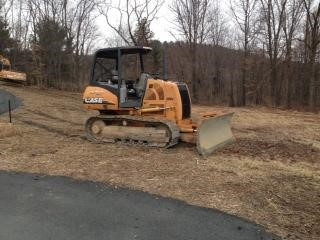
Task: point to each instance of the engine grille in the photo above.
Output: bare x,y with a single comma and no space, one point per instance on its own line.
185,98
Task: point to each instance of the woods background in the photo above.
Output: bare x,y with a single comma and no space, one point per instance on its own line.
247,52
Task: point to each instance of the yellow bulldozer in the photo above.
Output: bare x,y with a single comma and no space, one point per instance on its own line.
138,109
8,75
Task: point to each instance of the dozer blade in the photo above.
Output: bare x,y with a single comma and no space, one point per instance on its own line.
214,133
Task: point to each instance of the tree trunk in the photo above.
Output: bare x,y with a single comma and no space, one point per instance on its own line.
244,79
288,88
194,80
312,82
231,97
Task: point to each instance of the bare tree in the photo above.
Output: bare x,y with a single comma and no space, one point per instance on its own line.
191,23
73,22
5,7
83,25
262,54
273,18
218,29
82,31
114,40
130,14
244,13
292,17
212,61
312,41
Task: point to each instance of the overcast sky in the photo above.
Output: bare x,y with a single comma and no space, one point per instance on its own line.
161,27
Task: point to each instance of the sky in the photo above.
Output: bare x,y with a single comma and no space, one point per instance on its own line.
161,26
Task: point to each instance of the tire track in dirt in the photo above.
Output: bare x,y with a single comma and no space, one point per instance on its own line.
52,130
53,117
47,126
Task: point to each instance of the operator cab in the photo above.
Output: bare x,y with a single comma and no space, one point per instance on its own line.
122,72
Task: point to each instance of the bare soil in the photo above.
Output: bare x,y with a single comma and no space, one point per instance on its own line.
271,175
7,130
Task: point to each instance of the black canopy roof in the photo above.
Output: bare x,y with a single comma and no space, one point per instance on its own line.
113,52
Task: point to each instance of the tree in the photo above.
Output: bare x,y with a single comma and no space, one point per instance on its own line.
50,39
218,29
312,41
81,33
76,19
244,13
158,56
142,33
191,23
5,8
273,18
213,59
79,20
5,39
292,16
131,15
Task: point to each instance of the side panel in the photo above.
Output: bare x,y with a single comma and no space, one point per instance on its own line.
185,100
166,95
96,98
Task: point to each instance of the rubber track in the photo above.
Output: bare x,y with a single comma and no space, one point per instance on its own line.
171,126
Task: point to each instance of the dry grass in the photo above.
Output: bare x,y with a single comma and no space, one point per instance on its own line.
8,130
271,175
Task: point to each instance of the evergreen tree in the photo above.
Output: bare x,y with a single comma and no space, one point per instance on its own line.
51,41
5,39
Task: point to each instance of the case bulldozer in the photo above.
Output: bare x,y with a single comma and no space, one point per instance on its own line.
9,75
138,109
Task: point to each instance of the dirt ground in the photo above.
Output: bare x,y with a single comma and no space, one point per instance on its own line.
271,175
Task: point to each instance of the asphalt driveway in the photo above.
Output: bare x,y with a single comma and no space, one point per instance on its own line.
41,207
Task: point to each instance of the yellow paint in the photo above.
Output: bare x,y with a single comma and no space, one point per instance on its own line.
92,92
8,74
161,101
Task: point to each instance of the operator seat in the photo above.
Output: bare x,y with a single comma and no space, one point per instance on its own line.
114,76
140,86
